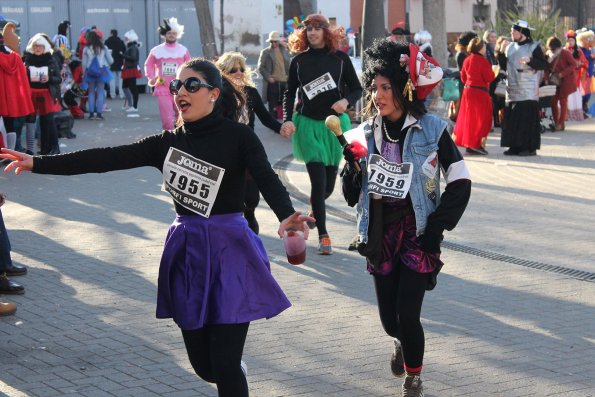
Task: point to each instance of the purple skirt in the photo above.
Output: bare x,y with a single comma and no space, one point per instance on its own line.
216,271
400,244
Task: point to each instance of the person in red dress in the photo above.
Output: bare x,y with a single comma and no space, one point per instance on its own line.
563,66
475,114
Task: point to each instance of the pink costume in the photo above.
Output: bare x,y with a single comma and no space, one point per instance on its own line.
163,61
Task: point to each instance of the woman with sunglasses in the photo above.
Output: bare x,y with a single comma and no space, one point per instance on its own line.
214,277
326,84
233,65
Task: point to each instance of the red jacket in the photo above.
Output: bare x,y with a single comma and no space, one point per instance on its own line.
564,65
15,94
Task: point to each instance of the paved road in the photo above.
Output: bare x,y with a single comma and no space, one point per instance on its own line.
495,325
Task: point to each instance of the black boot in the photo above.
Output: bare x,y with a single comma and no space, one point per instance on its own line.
10,287
251,218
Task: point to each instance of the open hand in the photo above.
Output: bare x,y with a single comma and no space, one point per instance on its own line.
20,161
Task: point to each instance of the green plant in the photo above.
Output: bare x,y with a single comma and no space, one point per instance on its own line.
545,26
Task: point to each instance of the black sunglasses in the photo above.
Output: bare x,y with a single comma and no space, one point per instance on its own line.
315,25
235,70
192,84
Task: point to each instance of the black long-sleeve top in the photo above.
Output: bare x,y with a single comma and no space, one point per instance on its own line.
309,66
256,107
214,139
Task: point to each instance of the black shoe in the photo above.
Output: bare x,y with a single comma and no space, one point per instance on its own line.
481,150
29,152
511,152
354,243
15,270
10,287
55,150
252,222
397,362
526,153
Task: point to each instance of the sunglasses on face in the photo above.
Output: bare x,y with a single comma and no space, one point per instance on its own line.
192,84
235,70
315,25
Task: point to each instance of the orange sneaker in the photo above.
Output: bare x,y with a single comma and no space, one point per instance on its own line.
324,245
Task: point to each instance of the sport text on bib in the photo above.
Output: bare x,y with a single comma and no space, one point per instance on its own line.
318,86
192,183
389,179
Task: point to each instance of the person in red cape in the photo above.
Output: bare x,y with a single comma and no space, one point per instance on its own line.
15,95
475,114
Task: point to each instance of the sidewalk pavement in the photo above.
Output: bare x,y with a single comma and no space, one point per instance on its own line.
509,315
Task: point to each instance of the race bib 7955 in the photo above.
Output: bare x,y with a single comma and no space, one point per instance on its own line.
193,183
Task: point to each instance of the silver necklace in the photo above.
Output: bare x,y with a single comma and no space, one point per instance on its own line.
388,138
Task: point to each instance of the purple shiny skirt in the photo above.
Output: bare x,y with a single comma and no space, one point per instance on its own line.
400,244
216,271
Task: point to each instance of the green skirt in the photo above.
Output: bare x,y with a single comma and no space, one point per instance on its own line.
314,143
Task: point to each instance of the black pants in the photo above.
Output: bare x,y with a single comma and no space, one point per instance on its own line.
275,96
400,296
322,180
215,352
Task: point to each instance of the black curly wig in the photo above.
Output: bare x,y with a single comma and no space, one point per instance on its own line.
382,58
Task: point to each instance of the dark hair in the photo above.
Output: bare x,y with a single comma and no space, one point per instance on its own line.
114,32
553,43
94,41
463,40
63,27
383,58
475,45
231,99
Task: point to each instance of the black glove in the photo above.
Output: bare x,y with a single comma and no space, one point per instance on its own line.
348,154
430,242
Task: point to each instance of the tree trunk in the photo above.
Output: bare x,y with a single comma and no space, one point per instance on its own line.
373,23
222,26
435,23
205,25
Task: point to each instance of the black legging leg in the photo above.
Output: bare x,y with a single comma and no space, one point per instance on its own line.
215,352
134,90
322,180
400,296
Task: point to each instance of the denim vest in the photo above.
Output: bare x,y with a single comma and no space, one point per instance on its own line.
420,142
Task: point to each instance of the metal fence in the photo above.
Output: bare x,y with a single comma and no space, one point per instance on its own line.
573,13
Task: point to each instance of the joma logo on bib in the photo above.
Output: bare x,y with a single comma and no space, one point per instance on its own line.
186,162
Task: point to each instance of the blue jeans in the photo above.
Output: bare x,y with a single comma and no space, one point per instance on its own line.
5,259
96,96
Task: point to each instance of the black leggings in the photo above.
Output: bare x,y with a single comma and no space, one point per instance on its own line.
400,296
131,85
322,180
215,352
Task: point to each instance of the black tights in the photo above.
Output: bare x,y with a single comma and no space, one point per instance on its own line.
215,352
400,296
322,180
131,85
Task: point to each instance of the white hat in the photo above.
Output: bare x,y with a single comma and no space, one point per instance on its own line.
274,36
